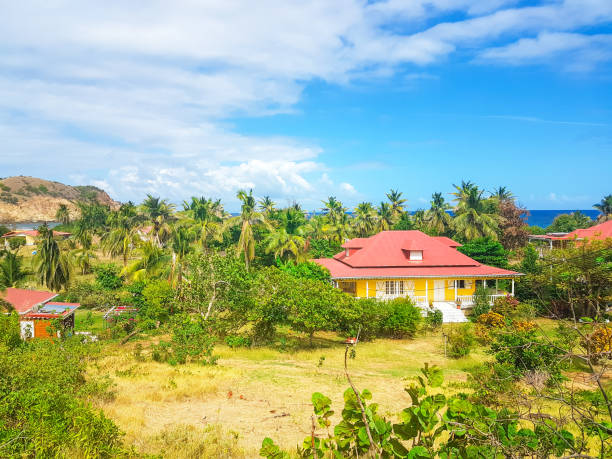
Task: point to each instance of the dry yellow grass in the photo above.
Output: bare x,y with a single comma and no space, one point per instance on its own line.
254,393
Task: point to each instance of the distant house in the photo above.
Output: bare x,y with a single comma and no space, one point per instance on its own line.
394,264
558,240
37,311
30,236
145,233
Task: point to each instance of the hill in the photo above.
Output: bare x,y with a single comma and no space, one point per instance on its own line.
24,199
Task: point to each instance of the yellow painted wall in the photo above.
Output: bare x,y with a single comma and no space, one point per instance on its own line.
367,288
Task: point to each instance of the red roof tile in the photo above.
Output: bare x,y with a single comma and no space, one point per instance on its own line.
447,240
24,300
599,232
386,254
33,233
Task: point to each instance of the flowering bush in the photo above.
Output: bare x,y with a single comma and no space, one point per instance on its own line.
506,306
523,325
600,340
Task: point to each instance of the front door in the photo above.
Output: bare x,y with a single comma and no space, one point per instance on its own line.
439,290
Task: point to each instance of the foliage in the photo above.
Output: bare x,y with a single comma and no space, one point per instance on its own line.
16,242
486,251
11,270
305,270
158,301
433,426
107,276
512,225
566,223
235,341
505,306
401,320
323,248
53,267
191,342
481,303
44,412
460,341
600,340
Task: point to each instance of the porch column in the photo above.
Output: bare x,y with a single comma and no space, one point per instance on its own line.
513,287
426,292
455,282
496,290
367,289
484,283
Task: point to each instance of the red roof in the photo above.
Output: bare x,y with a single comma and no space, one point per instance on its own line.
447,240
387,254
24,300
599,232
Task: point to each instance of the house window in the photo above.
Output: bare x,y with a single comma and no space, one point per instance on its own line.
416,254
460,283
394,287
348,287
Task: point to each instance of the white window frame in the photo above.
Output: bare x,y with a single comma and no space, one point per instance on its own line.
460,283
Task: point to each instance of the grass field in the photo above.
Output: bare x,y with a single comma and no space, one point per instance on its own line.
254,393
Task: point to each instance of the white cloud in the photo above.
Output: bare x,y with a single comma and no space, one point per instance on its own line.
139,99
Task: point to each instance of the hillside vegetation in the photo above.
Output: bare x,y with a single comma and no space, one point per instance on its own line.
34,199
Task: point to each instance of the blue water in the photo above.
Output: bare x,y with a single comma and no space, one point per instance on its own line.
544,218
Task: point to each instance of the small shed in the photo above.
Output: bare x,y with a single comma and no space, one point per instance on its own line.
36,324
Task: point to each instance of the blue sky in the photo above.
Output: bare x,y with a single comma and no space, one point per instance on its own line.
305,100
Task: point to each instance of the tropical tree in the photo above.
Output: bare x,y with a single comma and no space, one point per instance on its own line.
63,214
122,238
605,207
11,270
333,209
248,217
397,203
52,266
159,213
150,264
282,243
437,217
266,205
83,258
364,219
180,244
502,194
385,219
341,230
472,219
207,216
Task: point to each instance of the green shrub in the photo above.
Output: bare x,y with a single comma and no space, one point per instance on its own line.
191,342
236,341
107,276
16,242
401,319
158,300
304,270
460,341
434,318
481,303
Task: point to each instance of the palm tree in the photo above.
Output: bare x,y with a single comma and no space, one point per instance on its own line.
437,218
207,216
397,203
63,214
83,258
341,230
52,266
122,238
605,207
316,227
180,243
247,219
281,243
364,219
385,219
471,220
150,264
159,213
333,209
266,205
502,194
11,271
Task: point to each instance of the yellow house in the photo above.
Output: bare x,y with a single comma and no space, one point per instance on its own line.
428,269
30,236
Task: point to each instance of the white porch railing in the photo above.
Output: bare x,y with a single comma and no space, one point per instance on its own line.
468,300
417,300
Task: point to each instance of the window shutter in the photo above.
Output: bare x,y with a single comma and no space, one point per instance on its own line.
450,284
468,283
380,289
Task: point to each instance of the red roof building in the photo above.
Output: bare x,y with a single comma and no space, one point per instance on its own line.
597,232
411,263
25,301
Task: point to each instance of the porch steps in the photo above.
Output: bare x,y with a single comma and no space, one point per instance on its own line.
450,313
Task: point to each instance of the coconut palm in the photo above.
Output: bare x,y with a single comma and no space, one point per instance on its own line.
122,238
266,205
502,194
333,209
282,243
385,219
397,203
472,220
316,227
341,230
248,217
437,218
83,258
605,207
365,219
11,270
207,217
159,212
63,214
151,264
52,266
180,244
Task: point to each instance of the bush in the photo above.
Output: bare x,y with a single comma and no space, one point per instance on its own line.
460,341
481,303
434,318
400,319
305,270
600,340
16,242
158,302
107,276
486,251
505,306
191,342
236,341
